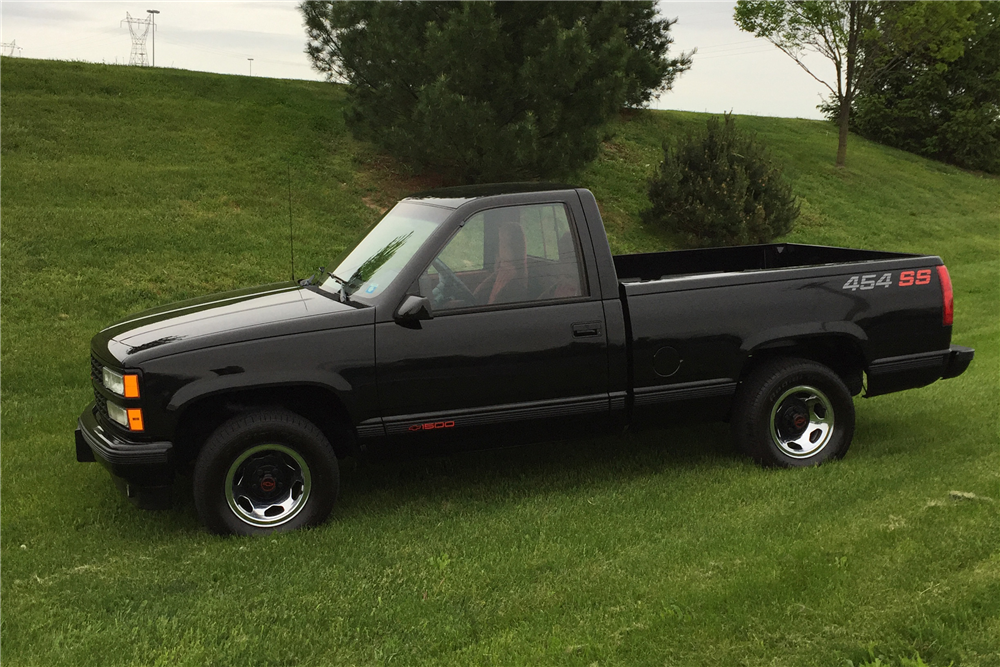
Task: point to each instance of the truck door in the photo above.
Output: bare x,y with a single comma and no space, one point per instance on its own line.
517,346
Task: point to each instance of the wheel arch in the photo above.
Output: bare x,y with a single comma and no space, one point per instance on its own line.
841,353
200,417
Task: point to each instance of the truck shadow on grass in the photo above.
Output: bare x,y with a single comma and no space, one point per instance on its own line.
508,475
382,484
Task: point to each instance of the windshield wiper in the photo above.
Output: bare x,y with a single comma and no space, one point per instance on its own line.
343,283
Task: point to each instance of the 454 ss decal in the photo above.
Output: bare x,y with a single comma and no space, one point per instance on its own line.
872,280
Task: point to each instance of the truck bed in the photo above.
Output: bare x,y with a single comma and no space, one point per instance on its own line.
711,310
644,267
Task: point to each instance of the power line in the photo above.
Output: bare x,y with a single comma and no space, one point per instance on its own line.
733,49
734,55
221,52
185,45
725,47
109,33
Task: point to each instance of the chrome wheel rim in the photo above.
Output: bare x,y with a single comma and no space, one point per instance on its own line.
268,485
802,422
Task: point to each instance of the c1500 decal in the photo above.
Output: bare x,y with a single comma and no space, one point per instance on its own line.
430,426
906,279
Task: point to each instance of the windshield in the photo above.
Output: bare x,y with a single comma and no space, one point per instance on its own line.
371,265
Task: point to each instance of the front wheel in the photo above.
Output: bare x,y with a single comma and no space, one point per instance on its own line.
265,472
793,413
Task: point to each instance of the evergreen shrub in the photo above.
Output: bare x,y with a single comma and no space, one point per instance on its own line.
720,189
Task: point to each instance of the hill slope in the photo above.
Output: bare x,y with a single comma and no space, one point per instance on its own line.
124,188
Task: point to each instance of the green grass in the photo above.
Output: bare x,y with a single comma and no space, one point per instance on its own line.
125,188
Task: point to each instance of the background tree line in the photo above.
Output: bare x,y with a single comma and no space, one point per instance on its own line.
921,76
945,110
501,91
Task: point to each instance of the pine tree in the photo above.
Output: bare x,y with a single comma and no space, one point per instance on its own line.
491,91
720,189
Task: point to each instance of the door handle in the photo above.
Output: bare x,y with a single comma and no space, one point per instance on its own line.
584,329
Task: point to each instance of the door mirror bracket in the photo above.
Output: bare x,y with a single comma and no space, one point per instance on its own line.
413,309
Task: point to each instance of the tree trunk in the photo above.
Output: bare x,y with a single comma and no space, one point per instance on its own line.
843,120
854,23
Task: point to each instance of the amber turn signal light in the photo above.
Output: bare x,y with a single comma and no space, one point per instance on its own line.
135,419
131,386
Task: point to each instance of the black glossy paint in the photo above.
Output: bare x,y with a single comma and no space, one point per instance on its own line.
714,327
499,357
657,334
220,319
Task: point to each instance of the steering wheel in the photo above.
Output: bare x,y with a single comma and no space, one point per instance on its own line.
449,286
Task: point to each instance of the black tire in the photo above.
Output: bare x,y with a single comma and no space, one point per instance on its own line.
265,472
793,413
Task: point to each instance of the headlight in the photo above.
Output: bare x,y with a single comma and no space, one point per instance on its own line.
114,382
117,413
123,385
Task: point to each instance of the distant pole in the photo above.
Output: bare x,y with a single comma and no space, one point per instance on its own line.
251,66
153,13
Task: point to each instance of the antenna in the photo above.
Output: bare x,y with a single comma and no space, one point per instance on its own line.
138,28
291,240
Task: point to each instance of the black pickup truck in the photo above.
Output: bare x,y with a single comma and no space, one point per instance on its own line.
492,315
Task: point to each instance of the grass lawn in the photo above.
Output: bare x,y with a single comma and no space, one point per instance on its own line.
125,188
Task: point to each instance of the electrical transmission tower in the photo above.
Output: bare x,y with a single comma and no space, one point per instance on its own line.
8,48
139,28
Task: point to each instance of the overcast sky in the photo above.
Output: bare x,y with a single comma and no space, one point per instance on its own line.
732,71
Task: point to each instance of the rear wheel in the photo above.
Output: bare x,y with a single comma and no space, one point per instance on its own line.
265,472
792,413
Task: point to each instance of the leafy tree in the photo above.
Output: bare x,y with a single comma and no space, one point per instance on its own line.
949,112
487,91
862,39
720,189
832,29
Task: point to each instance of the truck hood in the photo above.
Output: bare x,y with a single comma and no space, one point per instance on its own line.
230,317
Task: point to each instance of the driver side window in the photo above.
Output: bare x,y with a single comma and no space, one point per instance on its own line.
514,254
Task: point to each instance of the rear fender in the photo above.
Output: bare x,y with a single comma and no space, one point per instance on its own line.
783,335
837,345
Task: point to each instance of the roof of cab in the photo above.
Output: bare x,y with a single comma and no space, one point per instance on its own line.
456,196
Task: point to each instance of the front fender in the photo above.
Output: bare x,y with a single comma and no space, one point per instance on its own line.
341,361
237,381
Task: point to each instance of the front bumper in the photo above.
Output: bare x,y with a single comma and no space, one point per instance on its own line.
143,471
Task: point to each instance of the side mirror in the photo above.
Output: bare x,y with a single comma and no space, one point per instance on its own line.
413,309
